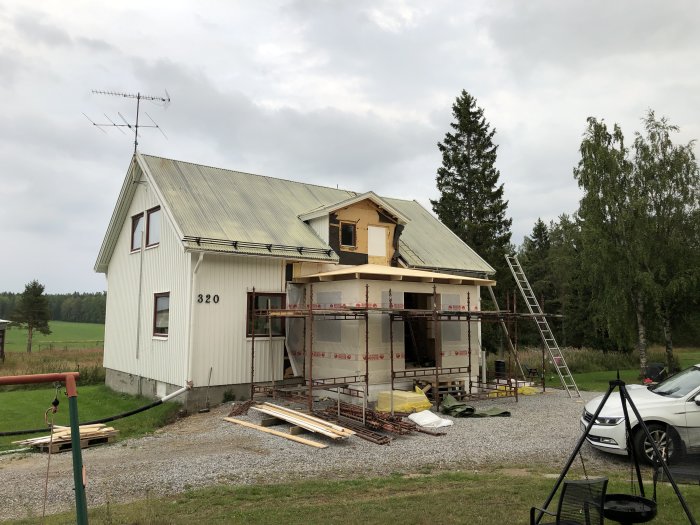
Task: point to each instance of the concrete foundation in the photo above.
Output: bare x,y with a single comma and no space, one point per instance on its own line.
192,400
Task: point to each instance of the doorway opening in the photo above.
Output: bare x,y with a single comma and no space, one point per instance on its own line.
419,332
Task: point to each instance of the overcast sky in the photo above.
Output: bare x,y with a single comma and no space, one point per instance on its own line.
354,94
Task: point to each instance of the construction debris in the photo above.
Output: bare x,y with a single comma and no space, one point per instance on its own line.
240,409
291,437
61,440
428,419
305,421
373,419
361,431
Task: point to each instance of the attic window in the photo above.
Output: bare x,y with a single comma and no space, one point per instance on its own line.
347,234
136,232
153,226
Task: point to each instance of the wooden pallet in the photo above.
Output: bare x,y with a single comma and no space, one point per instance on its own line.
457,388
64,446
90,435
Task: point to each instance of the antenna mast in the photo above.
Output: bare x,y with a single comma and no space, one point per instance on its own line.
135,127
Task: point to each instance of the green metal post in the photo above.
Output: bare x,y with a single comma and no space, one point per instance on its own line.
80,501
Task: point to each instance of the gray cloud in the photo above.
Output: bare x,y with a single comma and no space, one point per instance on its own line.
35,30
349,94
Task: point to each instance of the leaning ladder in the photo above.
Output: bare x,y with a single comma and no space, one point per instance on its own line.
558,361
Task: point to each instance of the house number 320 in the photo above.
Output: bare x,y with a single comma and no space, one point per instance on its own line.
207,298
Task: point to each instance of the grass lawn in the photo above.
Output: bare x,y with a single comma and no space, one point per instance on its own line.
600,381
24,410
473,497
63,335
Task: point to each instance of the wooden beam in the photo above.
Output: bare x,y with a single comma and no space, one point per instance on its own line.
276,433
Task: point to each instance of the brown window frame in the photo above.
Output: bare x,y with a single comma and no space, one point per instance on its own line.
148,226
157,333
134,222
354,234
262,322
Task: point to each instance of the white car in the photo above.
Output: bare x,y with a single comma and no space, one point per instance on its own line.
670,409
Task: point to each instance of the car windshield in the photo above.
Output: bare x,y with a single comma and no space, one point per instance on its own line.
680,384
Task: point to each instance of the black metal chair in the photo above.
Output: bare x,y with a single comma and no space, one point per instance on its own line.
531,373
580,503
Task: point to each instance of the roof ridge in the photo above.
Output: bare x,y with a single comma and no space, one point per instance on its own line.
248,173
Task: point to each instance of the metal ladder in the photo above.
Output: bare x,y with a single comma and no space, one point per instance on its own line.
558,361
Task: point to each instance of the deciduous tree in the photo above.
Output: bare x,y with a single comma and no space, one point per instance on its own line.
668,183
639,227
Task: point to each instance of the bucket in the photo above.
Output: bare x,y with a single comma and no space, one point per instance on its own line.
500,369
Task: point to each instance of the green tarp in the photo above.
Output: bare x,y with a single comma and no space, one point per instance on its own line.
454,408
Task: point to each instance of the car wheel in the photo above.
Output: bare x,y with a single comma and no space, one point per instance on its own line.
666,441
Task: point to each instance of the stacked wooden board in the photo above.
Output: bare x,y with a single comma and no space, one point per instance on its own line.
61,440
300,420
305,421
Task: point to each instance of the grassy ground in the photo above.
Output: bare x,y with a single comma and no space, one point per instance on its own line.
494,496
24,409
63,335
87,361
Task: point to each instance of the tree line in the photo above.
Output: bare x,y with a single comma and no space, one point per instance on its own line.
619,273
73,307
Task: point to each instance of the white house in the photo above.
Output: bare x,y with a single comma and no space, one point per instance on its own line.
195,257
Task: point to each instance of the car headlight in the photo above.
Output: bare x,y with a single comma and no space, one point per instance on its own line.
608,421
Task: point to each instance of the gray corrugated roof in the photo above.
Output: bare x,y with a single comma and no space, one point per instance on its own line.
428,243
212,204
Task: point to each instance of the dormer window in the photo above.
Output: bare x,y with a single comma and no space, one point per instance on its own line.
348,235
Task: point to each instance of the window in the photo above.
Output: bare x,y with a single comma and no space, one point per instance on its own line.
264,326
153,226
161,314
136,231
347,234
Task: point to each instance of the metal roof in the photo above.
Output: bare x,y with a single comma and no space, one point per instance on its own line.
214,209
428,243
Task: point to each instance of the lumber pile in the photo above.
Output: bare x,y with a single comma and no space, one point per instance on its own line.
291,437
89,435
308,422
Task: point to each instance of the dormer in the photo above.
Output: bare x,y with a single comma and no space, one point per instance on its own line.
364,229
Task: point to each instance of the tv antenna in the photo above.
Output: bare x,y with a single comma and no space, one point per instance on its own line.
135,127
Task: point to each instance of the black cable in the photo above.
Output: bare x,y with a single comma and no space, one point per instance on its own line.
103,420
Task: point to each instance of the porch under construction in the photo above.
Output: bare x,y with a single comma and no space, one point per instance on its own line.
412,329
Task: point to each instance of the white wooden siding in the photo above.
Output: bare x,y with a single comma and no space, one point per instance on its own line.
129,344
220,341
320,226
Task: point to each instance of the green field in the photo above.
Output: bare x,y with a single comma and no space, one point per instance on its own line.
24,410
63,335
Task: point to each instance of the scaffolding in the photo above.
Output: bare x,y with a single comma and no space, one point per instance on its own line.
357,386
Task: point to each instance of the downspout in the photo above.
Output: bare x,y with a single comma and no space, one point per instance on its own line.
140,298
190,344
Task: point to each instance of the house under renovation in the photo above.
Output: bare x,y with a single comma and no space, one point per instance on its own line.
228,280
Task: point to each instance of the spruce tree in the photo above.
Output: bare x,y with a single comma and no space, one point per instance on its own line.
471,200
32,311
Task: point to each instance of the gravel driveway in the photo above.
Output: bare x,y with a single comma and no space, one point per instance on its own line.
202,449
